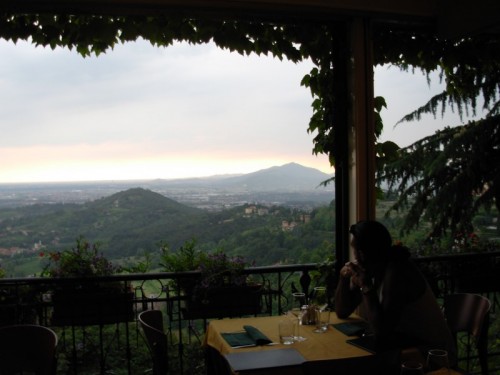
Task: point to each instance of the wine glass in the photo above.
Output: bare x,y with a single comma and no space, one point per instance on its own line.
437,359
412,368
298,310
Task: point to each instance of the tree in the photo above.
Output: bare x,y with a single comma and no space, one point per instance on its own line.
447,177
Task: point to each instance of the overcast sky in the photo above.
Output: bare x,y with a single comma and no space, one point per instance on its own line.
144,112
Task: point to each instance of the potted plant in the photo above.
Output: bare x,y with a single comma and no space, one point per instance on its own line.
19,302
220,288
83,300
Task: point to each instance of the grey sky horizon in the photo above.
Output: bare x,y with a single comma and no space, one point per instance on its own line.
141,112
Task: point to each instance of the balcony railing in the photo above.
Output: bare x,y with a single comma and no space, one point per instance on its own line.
95,318
99,333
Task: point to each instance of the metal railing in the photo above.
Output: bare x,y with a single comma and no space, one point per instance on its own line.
96,318
466,273
97,321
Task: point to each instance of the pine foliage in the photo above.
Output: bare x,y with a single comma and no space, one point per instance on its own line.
446,177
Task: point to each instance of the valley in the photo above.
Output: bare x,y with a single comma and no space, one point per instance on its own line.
253,216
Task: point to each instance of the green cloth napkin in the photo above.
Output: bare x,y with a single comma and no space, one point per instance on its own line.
352,329
257,336
250,337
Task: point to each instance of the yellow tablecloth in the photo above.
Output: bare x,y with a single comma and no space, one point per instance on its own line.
445,372
327,350
323,352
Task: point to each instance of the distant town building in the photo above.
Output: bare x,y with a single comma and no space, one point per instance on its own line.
250,210
10,251
263,211
288,226
254,210
37,246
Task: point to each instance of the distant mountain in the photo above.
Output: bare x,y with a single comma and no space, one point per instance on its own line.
290,185
286,178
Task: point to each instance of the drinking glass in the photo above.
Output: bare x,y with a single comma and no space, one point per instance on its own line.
319,297
412,368
437,359
298,310
285,330
322,320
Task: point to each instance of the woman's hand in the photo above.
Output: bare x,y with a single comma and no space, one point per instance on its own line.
347,295
356,273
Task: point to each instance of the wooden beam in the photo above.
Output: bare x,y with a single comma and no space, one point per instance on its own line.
453,18
363,143
423,11
420,8
459,18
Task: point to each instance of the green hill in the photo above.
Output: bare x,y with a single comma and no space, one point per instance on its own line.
138,219
123,222
128,223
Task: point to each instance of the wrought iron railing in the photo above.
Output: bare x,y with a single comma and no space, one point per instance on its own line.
96,317
466,272
101,335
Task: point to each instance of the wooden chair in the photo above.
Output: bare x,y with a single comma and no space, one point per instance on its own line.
151,322
27,348
468,314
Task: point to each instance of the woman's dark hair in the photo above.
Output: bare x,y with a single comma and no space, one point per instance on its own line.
375,242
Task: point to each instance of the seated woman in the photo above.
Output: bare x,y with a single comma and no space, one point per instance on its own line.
387,289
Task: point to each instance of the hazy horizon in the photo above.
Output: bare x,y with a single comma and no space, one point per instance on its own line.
227,175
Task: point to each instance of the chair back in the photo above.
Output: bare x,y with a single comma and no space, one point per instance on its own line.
27,348
151,322
469,313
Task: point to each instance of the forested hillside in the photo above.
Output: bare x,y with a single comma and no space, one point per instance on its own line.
134,222
130,223
123,222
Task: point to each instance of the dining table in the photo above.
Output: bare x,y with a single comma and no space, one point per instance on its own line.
320,353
